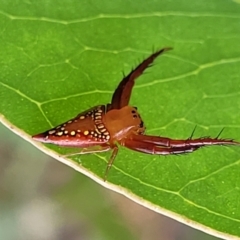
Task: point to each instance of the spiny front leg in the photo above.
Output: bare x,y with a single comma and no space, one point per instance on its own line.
123,92
151,148
177,143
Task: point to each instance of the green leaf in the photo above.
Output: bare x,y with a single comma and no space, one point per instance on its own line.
59,58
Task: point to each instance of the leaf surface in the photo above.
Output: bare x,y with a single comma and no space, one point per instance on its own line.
59,58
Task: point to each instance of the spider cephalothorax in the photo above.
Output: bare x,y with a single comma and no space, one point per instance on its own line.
106,125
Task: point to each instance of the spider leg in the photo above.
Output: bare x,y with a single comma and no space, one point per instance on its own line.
111,160
151,148
220,133
122,94
102,148
193,132
177,143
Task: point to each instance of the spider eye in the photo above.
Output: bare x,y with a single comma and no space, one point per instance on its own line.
135,108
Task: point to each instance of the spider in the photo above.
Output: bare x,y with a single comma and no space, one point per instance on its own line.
104,127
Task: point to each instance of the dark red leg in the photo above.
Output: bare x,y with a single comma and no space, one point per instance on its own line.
122,94
151,148
172,143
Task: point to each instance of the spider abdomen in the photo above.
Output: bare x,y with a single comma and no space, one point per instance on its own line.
86,129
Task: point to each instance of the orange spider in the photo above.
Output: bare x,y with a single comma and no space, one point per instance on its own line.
105,126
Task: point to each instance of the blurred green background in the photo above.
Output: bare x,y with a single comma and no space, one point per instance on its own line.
41,198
